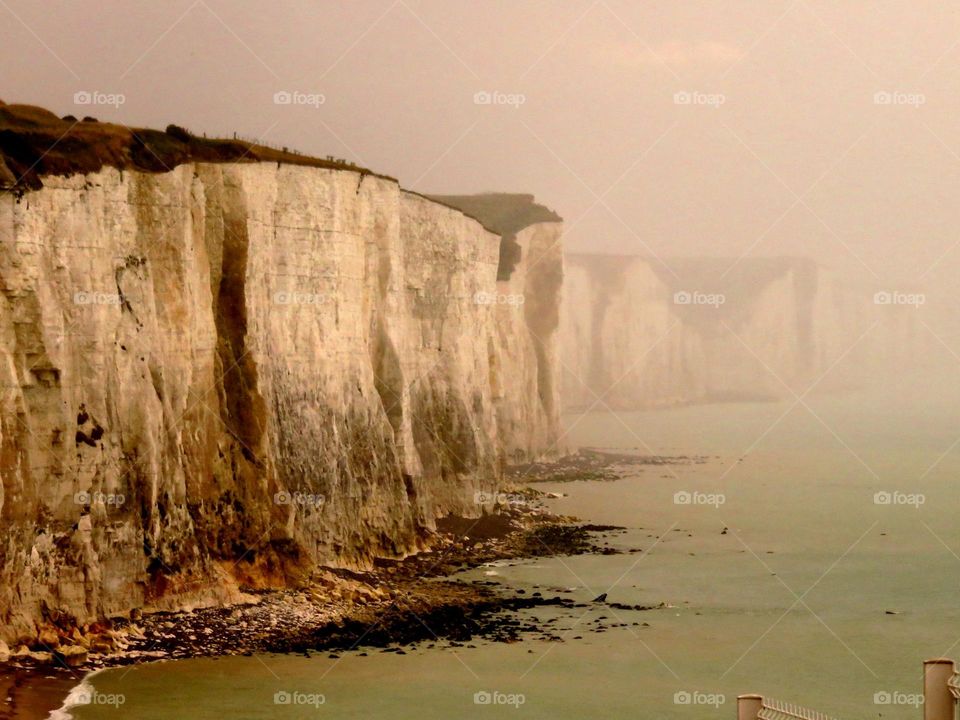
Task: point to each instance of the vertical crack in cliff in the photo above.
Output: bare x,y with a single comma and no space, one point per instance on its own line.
234,517
387,373
611,279
542,315
443,434
243,410
388,378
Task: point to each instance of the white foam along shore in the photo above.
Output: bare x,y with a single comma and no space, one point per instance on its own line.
84,693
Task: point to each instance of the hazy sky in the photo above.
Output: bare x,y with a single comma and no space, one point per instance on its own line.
776,144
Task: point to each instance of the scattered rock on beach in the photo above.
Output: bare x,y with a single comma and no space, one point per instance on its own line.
335,610
71,655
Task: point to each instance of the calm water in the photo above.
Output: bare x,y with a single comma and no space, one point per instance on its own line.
792,602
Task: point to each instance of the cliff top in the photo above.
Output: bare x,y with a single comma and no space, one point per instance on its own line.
34,142
506,214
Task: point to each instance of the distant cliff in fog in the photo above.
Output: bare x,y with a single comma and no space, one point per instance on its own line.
638,333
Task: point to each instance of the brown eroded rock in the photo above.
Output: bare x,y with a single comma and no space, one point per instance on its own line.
71,655
47,638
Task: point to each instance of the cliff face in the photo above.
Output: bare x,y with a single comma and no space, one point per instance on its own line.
527,317
635,335
217,375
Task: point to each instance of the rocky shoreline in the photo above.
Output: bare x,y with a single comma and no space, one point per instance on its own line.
337,609
595,464
393,605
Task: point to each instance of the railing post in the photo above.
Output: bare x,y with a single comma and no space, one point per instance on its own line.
938,702
749,706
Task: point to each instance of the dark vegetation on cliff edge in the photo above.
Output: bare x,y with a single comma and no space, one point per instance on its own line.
34,142
506,214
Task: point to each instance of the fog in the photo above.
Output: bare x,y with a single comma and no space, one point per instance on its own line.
750,338
599,79
731,130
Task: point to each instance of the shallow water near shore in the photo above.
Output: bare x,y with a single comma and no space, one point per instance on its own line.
817,594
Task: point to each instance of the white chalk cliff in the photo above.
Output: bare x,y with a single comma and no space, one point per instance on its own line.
216,375
638,333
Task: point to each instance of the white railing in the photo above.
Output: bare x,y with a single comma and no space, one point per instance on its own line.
779,710
953,684
757,707
941,697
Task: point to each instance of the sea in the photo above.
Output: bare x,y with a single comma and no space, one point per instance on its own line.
812,557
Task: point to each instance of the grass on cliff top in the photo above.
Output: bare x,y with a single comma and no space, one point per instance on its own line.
34,142
505,214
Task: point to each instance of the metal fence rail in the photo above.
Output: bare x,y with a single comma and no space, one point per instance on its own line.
757,707
941,698
953,684
779,710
